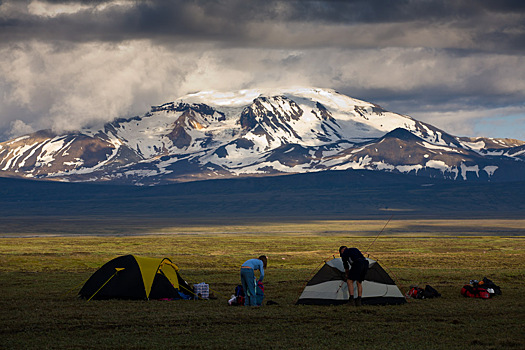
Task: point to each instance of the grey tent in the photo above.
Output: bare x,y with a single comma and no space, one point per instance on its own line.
328,287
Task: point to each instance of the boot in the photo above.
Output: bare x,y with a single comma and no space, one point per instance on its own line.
358,301
351,301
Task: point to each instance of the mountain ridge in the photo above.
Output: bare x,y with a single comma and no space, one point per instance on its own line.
210,135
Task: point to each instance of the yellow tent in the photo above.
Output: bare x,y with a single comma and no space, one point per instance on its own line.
133,277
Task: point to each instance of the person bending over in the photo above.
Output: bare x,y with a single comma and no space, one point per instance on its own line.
356,272
248,280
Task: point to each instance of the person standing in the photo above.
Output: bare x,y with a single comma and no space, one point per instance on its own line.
248,280
356,272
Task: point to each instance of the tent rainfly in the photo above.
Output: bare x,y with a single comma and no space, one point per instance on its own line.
328,287
133,277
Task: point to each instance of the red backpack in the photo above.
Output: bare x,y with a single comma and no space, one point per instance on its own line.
474,292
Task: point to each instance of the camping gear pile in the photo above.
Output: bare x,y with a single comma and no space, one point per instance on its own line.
428,292
484,289
328,286
238,298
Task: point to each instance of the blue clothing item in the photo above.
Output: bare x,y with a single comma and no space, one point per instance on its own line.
349,255
248,284
255,264
259,293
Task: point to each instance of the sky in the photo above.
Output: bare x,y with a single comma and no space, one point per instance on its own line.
458,65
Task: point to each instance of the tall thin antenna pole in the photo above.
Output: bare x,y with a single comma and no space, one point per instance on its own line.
366,251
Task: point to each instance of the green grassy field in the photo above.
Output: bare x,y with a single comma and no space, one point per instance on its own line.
40,276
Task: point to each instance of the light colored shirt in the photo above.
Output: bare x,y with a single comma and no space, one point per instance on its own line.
255,264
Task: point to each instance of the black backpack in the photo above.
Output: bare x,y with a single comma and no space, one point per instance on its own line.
430,292
490,286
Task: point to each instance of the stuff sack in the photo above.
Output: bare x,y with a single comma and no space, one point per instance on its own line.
415,293
474,292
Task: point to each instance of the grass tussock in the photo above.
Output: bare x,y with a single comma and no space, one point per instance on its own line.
40,276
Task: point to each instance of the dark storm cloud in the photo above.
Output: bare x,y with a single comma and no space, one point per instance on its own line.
117,21
475,24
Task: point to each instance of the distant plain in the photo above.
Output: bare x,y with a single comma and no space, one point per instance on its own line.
284,202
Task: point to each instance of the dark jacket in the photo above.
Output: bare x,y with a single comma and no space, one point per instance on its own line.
349,255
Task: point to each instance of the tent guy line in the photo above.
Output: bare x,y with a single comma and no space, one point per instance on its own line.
380,232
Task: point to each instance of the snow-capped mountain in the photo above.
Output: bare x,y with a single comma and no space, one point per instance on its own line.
255,133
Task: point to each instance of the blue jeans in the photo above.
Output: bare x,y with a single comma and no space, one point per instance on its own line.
248,284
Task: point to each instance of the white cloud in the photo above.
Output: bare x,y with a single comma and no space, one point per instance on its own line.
67,88
18,128
46,9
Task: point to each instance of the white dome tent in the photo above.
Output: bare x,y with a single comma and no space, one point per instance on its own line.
327,286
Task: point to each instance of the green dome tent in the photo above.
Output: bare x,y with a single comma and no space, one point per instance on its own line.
328,287
133,277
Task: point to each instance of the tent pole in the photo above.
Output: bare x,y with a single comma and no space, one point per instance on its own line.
113,275
337,291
